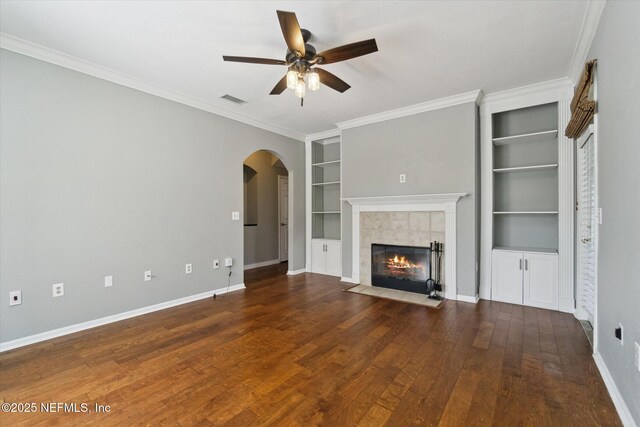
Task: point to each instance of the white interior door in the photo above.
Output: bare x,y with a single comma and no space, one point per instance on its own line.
283,217
586,233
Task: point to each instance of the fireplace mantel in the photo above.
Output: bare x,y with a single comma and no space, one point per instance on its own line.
408,199
410,203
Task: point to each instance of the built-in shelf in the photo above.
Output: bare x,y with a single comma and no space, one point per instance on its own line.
323,164
527,168
525,249
327,183
325,206
526,213
526,137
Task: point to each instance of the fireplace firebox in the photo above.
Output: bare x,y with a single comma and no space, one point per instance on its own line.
405,268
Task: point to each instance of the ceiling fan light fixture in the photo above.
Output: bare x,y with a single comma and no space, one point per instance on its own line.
292,79
313,80
300,88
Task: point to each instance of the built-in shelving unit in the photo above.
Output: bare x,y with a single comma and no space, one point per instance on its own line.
325,188
528,202
323,204
525,178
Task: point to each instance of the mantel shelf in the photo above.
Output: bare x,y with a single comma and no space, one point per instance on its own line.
408,199
526,137
527,168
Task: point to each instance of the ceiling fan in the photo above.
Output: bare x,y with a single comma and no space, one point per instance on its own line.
302,58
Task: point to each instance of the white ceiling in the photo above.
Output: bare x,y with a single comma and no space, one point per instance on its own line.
427,49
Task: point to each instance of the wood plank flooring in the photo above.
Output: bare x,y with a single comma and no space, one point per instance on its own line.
299,351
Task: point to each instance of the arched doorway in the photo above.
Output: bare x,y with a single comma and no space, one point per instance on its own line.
266,213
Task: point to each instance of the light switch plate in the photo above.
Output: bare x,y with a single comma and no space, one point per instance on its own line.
216,264
235,216
147,275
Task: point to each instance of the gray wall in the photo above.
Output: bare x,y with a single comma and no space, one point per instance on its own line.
98,179
617,48
437,150
261,240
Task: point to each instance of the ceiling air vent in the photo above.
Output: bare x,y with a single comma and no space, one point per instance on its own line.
233,99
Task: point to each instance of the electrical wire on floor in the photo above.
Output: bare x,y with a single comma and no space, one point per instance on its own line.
228,282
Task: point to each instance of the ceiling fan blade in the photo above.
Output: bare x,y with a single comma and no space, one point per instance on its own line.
291,31
280,86
331,80
348,51
251,60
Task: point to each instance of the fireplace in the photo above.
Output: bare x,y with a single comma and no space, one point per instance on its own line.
405,268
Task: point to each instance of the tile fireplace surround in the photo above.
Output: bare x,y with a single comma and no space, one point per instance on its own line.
413,220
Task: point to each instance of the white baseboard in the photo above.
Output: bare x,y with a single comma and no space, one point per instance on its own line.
465,298
54,333
618,401
262,264
348,280
296,272
567,305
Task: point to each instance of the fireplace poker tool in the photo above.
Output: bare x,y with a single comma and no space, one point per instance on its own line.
434,285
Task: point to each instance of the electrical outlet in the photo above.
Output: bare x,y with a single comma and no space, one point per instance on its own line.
618,333
637,353
403,178
15,298
108,281
147,275
216,264
235,216
188,268
58,290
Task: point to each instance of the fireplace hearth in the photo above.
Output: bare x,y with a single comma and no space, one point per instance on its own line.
405,268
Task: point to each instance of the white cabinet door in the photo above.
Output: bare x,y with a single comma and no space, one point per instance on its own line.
317,256
333,258
541,280
506,280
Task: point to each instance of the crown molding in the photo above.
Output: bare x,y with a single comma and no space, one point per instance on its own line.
563,86
322,135
587,33
435,104
42,53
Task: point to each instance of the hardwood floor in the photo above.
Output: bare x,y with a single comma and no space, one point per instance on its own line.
299,351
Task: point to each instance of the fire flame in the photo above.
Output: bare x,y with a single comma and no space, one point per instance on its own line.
400,262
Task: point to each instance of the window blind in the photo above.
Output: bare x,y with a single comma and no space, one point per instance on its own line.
587,224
